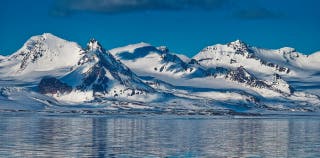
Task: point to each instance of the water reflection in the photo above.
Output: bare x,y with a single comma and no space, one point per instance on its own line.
158,137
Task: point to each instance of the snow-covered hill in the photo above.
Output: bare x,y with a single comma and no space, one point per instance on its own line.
52,74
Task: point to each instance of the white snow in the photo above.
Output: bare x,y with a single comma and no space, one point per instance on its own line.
75,97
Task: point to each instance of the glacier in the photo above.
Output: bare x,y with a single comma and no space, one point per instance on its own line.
50,74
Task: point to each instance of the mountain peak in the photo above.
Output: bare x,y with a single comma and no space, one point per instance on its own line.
163,49
43,37
48,35
287,49
240,47
238,44
94,45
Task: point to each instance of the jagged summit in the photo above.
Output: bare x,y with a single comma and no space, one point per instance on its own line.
238,42
94,45
93,53
163,49
238,45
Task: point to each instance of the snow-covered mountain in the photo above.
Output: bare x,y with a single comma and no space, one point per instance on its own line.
43,54
236,54
159,62
48,73
98,74
285,61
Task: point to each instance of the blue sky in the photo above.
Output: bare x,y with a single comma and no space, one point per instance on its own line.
185,26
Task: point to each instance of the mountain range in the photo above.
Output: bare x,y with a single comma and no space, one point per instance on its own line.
52,74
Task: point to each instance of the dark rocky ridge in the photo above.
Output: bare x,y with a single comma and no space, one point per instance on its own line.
241,75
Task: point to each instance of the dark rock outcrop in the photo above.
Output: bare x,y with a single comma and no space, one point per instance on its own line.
51,85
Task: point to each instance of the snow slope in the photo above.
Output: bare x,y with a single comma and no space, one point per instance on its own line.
143,59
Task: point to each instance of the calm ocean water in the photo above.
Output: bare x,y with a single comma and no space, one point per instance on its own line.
35,135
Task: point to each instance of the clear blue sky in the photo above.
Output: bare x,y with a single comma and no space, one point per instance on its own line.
185,26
